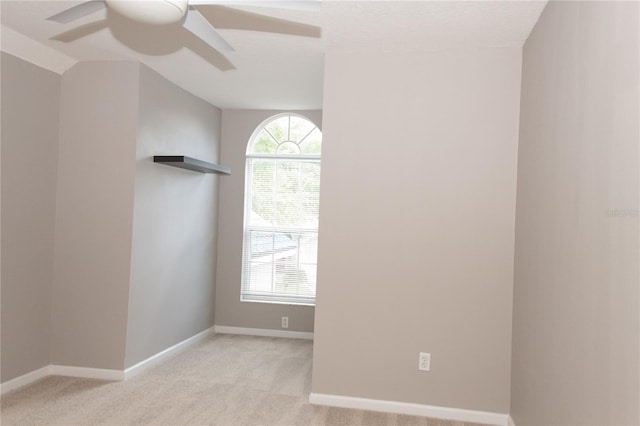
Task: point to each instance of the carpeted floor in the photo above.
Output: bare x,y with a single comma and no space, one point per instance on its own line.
223,380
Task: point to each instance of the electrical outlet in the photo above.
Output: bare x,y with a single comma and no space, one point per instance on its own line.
424,361
285,322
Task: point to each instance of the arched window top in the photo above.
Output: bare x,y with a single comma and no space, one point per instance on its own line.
286,135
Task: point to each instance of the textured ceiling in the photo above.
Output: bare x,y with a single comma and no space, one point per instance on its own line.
272,71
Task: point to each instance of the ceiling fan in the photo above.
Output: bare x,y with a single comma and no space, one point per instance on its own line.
167,12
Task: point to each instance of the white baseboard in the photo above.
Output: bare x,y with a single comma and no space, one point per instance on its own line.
25,379
446,413
511,422
61,370
100,373
161,356
223,329
87,373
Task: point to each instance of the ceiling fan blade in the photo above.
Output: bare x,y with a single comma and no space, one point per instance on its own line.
223,17
305,5
206,52
199,26
78,11
81,31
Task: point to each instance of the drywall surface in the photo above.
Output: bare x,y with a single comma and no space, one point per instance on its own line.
575,323
30,108
173,262
94,216
417,227
237,128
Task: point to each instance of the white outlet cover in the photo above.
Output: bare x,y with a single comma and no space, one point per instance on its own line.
285,322
424,361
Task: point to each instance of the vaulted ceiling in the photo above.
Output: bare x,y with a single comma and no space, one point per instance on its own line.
267,70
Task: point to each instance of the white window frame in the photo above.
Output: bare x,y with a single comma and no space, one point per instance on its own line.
245,294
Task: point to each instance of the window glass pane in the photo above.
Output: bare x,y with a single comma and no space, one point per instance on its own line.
264,144
307,262
312,144
289,148
309,212
300,127
261,278
308,286
310,177
262,210
293,275
262,245
261,261
309,248
288,210
262,176
288,177
279,129
286,261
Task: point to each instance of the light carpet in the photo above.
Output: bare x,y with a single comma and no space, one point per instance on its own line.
222,380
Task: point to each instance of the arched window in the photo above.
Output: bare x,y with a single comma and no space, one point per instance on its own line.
282,200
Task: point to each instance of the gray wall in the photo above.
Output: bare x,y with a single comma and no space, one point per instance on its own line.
237,128
575,324
76,151
417,226
30,99
94,216
175,220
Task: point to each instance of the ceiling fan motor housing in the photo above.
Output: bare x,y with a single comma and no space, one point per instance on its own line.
157,12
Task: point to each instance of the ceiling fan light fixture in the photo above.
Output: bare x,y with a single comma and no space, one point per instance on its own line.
156,12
